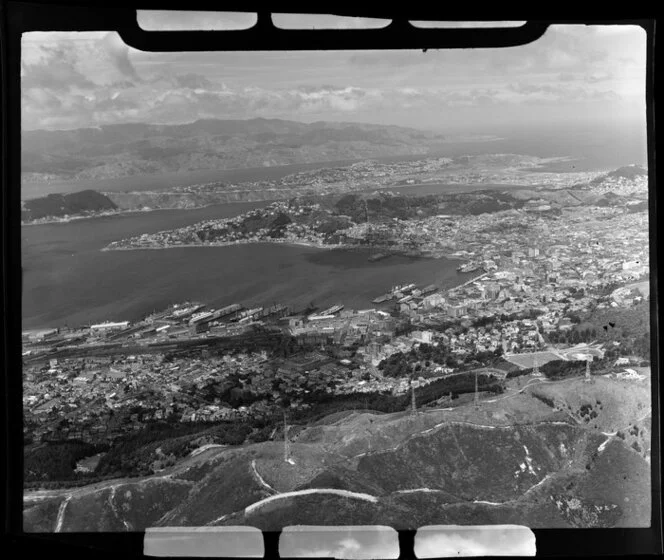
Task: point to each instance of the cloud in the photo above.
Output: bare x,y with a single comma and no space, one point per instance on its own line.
580,91
567,77
165,20
88,79
115,104
192,81
339,542
119,55
598,77
57,72
326,21
498,540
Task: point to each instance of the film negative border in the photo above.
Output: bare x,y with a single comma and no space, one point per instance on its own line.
19,17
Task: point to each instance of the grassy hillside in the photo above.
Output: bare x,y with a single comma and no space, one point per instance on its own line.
606,405
473,463
515,459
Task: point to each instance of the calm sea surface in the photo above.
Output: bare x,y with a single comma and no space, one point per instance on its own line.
68,280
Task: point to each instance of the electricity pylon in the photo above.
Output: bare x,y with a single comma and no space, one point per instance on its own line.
413,403
536,370
286,442
477,396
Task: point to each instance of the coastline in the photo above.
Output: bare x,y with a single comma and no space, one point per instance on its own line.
54,220
403,188
309,244
230,244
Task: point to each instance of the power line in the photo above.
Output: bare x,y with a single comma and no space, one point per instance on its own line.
477,399
286,441
413,403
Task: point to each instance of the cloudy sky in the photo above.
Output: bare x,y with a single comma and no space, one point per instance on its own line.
214,542
573,73
450,541
352,542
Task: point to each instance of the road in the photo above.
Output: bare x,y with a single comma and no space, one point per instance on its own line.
328,491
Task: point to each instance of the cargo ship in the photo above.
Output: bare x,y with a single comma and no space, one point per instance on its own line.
429,289
403,288
201,316
332,310
383,298
184,311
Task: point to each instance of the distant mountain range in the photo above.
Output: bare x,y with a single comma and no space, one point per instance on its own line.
130,149
626,172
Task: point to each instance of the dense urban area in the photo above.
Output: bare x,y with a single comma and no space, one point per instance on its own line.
555,285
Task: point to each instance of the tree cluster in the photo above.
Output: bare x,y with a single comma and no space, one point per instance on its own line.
57,460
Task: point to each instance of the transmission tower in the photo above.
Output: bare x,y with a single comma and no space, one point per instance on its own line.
286,442
413,403
477,394
536,370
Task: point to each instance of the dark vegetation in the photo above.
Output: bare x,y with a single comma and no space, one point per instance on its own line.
160,444
135,454
546,400
419,360
386,206
561,369
350,209
629,327
58,205
517,372
57,461
587,412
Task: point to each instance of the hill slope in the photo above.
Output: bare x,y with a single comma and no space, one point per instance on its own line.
516,460
59,205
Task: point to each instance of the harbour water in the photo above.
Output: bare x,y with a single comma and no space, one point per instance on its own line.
67,279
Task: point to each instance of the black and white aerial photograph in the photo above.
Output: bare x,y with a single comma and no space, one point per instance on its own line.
397,288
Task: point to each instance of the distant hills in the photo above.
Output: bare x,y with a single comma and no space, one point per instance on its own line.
60,205
128,149
629,172
626,172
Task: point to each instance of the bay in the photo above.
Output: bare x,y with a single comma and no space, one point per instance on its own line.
68,280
